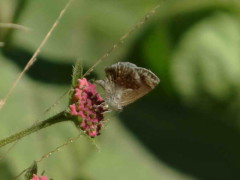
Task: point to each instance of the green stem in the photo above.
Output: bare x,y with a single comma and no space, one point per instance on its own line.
60,117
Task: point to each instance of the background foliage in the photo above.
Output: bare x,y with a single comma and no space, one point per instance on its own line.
187,128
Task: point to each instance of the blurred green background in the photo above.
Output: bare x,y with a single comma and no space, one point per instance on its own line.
188,128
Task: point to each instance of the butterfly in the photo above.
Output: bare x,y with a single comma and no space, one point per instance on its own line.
125,83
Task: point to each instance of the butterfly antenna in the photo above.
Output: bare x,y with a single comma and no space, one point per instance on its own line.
123,38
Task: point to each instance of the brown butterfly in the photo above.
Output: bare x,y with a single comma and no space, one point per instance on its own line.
125,83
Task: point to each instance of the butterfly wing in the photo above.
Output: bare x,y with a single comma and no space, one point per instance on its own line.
134,82
123,75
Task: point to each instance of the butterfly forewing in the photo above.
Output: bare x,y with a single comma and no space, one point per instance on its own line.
123,75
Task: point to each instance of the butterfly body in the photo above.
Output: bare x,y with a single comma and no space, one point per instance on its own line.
125,83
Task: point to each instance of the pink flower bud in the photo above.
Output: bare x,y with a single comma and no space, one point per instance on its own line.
35,177
73,110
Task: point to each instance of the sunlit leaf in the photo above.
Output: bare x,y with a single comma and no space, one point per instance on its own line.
207,61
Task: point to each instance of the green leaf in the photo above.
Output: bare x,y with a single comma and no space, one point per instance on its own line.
206,62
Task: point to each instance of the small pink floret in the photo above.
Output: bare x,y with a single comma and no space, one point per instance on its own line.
82,83
99,98
43,178
83,125
73,110
93,133
78,93
35,177
95,120
82,115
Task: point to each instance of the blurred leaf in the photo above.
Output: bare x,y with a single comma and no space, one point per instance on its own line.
206,63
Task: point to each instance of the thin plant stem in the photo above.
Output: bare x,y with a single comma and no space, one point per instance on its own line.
60,117
69,141
14,26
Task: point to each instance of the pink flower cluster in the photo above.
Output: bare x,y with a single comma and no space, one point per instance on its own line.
35,177
88,105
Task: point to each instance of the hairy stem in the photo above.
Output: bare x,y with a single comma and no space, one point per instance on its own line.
60,117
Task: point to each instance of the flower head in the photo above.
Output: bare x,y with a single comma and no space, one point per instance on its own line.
35,177
88,105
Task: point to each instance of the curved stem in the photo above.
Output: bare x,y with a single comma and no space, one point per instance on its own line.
60,117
